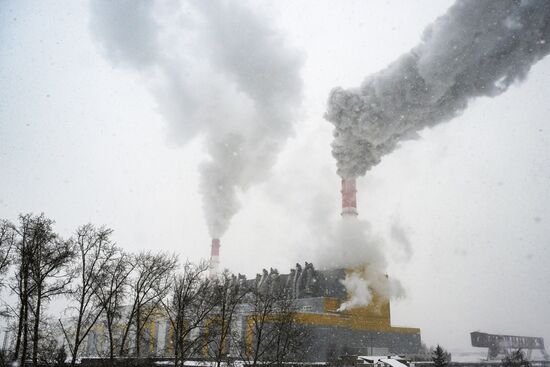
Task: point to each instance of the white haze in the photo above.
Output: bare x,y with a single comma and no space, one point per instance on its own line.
216,69
475,49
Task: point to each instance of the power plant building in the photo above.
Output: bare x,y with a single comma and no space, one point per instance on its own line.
317,295
360,331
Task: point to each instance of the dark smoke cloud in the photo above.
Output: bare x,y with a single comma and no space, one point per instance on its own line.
478,48
219,70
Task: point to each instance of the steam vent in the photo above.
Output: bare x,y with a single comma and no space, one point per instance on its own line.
360,331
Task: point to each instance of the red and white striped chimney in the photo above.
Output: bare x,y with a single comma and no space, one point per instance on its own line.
215,257
349,198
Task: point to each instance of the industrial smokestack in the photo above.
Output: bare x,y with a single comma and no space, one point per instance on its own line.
215,257
349,198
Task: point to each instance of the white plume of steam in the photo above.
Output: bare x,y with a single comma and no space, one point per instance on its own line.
358,287
351,244
219,70
478,48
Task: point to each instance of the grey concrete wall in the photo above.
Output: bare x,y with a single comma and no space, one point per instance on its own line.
328,343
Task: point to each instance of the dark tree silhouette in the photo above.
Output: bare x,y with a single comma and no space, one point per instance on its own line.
113,295
227,295
60,356
49,271
7,243
440,357
96,255
275,336
41,261
188,308
149,284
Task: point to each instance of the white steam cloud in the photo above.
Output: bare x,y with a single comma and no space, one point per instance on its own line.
359,290
351,244
478,48
217,69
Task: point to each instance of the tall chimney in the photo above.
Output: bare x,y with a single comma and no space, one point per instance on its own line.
349,199
215,257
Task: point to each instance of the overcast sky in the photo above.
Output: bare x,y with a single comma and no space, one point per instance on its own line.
465,210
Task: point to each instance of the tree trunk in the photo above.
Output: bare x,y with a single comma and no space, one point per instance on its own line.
176,341
127,330
110,332
36,337
222,341
138,331
23,297
25,302
25,334
19,329
77,332
258,341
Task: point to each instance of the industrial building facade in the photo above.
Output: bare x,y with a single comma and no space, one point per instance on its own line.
317,296
359,331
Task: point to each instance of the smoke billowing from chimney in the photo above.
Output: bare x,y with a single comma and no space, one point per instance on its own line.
478,48
217,70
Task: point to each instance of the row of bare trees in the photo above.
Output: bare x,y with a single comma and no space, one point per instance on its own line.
101,287
230,318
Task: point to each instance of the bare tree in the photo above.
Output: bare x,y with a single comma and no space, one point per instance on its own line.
188,307
228,295
273,335
148,286
7,243
21,284
291,337
95,255
112,296
261,310
49,270
40,257
48,345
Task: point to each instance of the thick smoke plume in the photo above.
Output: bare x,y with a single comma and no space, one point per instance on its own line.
478,48
217,69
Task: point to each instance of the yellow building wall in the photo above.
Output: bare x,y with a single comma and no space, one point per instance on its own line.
376,316
351,322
